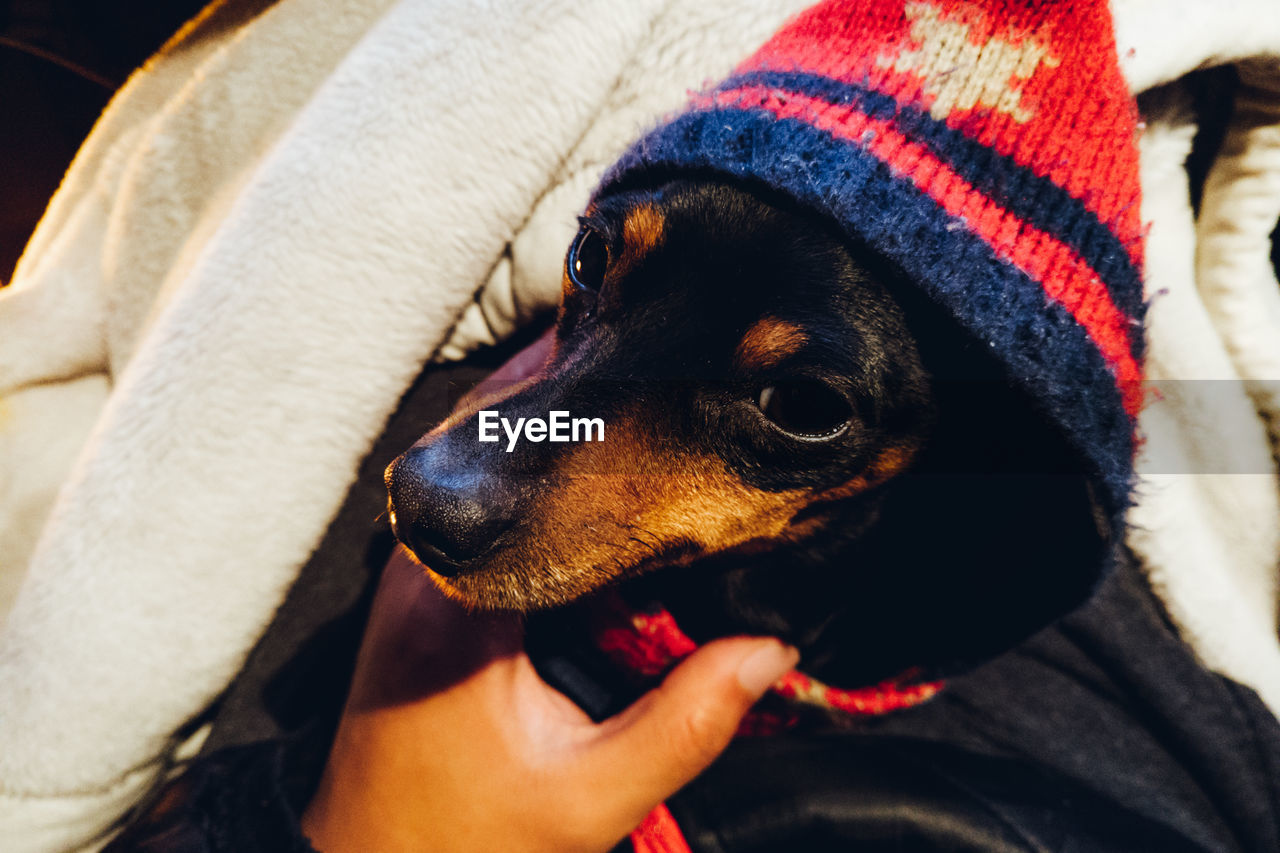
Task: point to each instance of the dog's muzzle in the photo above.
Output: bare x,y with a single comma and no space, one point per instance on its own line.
445,509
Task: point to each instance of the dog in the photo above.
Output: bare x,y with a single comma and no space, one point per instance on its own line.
796,444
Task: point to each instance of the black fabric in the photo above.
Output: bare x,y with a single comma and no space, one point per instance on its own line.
891,793
1102,733
1099,734
243,800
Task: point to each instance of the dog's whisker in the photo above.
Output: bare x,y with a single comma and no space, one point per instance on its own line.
652,549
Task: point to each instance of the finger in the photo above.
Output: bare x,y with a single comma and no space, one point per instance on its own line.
672,733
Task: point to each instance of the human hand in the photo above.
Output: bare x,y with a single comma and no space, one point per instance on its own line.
451,742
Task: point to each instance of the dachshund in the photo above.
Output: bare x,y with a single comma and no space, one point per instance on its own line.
795,442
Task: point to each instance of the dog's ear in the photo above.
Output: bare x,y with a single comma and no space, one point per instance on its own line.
992,535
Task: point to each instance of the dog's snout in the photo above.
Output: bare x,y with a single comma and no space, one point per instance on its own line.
444,509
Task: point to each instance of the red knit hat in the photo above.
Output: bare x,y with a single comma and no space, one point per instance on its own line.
987,149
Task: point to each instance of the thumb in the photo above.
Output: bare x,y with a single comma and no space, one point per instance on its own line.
675,730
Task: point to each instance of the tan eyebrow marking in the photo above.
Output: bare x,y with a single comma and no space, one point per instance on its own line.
768,342
642,232
643,229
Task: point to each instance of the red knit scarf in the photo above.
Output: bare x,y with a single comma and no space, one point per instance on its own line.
650,643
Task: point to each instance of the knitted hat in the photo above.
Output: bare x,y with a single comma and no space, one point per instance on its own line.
987,149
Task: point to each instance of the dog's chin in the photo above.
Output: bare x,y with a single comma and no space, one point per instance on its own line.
499,588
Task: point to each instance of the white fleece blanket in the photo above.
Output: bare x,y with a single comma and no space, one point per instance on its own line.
286,213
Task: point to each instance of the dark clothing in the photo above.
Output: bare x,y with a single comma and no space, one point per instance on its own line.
1099,734
239,800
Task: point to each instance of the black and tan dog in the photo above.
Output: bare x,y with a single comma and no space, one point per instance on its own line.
794,445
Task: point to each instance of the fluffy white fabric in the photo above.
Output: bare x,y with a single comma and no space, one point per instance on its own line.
285,214
1205,522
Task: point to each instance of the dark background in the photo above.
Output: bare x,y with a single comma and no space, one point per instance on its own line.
60,62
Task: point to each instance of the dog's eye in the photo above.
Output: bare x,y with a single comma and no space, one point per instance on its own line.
805,408
588,258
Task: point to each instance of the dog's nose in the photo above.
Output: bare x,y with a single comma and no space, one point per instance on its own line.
445,510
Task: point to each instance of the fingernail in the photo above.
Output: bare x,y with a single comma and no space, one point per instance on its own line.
766,665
